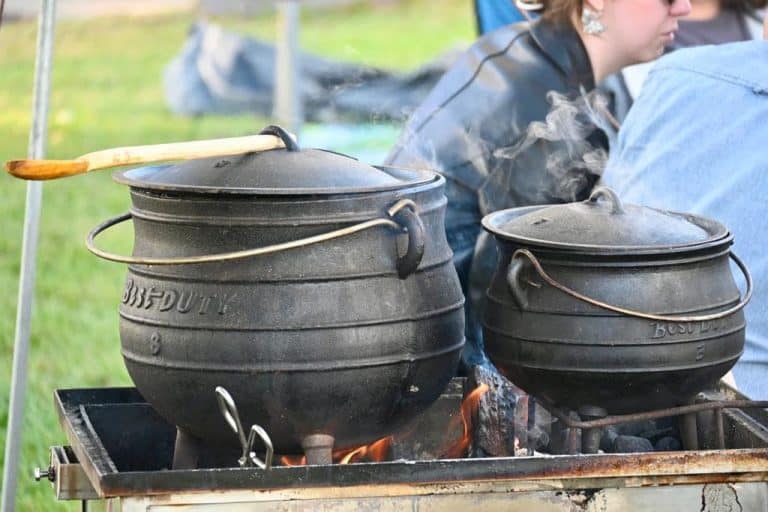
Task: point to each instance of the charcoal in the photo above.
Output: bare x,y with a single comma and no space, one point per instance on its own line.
636,428
631,444
668,444
610,433
656,434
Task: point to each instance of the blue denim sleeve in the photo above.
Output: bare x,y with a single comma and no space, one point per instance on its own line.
695,141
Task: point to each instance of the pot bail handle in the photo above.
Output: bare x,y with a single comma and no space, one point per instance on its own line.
401,216
525,253
609,195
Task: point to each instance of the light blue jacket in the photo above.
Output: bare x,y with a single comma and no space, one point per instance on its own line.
696,140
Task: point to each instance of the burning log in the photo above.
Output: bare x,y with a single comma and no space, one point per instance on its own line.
505,415
469,408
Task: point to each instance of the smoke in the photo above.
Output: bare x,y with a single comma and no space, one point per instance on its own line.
570,122
568,150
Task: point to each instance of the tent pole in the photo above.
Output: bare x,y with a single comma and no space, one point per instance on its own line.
288,109
37,142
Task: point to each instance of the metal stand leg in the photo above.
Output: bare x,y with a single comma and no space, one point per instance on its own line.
574,437
37,140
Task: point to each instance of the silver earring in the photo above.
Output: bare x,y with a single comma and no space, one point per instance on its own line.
591,21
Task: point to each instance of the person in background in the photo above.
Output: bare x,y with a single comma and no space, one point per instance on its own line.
719,21
472,126
694,141
709,22
493,14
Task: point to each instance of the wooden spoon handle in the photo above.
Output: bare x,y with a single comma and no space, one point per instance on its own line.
52,169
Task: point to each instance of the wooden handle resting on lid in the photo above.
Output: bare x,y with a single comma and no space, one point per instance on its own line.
116,157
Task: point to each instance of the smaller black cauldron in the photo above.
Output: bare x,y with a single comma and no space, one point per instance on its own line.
616,306
319,291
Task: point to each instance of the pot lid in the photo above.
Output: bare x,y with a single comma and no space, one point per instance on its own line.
602,223
288,171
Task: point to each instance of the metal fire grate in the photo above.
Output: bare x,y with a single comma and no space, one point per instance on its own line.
123,449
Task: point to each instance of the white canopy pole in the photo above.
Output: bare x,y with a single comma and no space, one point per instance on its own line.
287,100
37,142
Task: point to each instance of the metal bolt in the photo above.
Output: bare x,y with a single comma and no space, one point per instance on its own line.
49,473
154,343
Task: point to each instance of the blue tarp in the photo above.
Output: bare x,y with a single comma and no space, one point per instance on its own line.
492,14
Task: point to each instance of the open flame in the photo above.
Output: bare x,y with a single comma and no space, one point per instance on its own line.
378,450
469,406
374,452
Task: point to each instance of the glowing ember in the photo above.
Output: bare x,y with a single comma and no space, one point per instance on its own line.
293,460
468,408
374,452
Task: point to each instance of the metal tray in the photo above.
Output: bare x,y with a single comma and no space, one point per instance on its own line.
125,449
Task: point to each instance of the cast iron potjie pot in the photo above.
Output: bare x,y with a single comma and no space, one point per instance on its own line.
620,307
318,291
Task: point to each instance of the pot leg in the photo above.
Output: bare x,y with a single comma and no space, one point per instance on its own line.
318,448
689,431
186,453
590,437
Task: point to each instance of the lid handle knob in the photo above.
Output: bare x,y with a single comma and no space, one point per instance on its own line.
284,135
609,195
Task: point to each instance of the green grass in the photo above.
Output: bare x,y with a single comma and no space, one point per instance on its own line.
107,92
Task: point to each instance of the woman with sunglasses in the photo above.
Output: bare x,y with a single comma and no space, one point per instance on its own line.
472,127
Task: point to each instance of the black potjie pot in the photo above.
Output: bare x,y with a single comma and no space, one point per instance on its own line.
620,307
318,291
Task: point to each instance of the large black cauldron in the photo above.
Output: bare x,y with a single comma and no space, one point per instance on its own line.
616,306
330,304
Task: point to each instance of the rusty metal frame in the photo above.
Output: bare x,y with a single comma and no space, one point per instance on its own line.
513,474
656,414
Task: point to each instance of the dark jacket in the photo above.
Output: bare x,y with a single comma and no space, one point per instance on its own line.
471,127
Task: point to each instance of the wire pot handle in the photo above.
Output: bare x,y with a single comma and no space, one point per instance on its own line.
401,216
515,270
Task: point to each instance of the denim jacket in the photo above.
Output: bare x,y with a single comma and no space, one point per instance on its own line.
695,141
